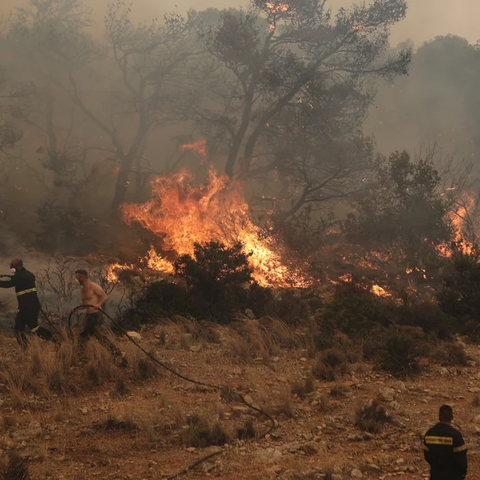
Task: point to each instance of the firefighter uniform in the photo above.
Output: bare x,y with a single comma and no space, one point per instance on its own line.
446,452
28,304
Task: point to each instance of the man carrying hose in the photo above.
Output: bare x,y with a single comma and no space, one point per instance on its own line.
28,304
93,298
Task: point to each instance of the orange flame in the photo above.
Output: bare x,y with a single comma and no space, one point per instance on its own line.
200,147
277,8
380,291
183,214
458,219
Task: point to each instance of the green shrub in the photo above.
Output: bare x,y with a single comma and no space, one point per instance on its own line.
355,311
459,295
213,266
399,355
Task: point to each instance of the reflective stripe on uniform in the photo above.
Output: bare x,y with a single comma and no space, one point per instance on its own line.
459,449
23,292
430,440
33,330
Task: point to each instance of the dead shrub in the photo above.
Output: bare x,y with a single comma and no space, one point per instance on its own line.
120,389
16,467
247,432
200,434
302,388
451,354
339,390
323,404
285,405
372,417
331,364
113,423
145,369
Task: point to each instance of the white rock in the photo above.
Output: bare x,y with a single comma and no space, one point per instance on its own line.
134,335
387,394
356,473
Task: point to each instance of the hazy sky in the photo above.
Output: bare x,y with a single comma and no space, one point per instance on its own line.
426,18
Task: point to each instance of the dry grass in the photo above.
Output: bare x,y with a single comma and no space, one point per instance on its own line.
186,341
101,366
120,389
285,405
15,468
259,339
143,368
331,364
16,380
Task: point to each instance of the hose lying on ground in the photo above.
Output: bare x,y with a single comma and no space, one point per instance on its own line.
233,394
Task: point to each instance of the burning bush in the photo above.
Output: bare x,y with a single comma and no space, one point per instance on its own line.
459,295
355,311
216,276
406,212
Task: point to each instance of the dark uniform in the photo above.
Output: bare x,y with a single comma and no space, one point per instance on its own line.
28,305
446,453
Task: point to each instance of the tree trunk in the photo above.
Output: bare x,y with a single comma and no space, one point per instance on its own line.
121,186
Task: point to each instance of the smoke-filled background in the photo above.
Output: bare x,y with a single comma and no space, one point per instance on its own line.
95,106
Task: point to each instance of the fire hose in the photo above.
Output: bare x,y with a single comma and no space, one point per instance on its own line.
223,389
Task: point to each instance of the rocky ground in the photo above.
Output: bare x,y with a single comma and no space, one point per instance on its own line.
97,419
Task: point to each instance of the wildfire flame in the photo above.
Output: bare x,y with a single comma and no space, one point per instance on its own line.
199,147
277,8
380,291
182,214
458,220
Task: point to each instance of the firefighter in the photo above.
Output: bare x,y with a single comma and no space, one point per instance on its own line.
445,449
28,303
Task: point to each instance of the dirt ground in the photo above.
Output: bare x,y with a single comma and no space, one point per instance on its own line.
105,421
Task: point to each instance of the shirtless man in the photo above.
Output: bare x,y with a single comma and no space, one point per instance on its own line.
92,294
